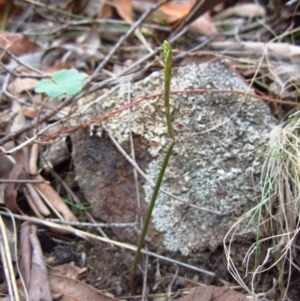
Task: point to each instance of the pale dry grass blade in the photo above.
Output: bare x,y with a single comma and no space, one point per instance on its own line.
7,263
276,217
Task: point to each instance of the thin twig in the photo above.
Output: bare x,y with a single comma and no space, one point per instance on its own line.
6,51
137,191
135,102
68,100
91,225
141,172
21,181
145,274
123,38
169,290
85,235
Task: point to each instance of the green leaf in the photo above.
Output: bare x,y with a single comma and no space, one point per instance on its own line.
166,48
67,82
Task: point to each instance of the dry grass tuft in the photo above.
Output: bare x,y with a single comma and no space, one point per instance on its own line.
276,217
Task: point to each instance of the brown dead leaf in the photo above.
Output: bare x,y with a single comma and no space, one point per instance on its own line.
18,120
39,288
25,252
171,12
30,112
199,8
17,43
10,193
88,8
204,26
20,85
74,290
105,11
50,195
124,9
213,293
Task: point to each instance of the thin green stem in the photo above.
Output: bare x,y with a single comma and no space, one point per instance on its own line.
5,16
168,73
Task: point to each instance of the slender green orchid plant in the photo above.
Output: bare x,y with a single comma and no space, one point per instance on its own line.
168,72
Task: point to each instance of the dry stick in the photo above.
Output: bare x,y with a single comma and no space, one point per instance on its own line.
124,37
139,99
144,291
136,102
92,89
7,263
89,80
21,181
6,51
169,289
4,86
91,225
85,236
200,7
139,217
168,72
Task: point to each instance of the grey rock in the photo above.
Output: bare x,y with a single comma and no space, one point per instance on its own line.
213,165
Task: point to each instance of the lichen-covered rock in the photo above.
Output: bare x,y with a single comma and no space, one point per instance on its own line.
212,165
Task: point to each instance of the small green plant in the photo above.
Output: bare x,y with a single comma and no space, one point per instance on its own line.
168,72
63,82
71,204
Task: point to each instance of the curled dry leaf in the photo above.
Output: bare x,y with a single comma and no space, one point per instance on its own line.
51,196
172,13
198,9
20,85
31,204
39,288
105,11
46,191
30,113
35,201
10,193
18,120
25,252
74,290
204,26
16,43
124,9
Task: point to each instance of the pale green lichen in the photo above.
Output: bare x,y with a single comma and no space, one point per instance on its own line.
215,169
